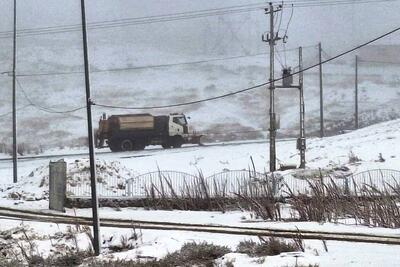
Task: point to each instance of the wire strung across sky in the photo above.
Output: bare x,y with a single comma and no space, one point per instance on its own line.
312,3
252,87
156,65
138,20
180,16
43,108
360,60
50,110
17,109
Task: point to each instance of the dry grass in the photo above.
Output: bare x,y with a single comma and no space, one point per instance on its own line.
268,247
366,204
327,201
202,194
191,254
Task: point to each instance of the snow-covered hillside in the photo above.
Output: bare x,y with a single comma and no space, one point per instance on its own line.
243,115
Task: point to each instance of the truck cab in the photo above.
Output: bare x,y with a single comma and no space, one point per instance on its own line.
178,125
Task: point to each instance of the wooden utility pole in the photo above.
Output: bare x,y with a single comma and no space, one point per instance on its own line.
321,94
96,221
356,96
271,39
14,109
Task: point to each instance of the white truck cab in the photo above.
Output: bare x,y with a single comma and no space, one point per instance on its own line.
178,125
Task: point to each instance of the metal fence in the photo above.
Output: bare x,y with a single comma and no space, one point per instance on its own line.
168,182
353,184
78,185
228,183
382,180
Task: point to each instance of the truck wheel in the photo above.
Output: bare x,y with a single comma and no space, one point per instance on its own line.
126,145
165,145
139,145
177,142
114,146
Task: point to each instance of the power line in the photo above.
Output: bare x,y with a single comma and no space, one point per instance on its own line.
332,3
141,67
139,20
176,17
154,66
17,109
43,108
252,87
378,62
143,17
290,20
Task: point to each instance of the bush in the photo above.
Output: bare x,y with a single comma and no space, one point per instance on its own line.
191,254
267,247
194,254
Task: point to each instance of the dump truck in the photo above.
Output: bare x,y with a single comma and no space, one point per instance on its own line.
136,131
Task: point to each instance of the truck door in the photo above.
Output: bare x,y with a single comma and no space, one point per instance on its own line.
177,125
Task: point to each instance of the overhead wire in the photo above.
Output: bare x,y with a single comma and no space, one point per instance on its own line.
141,18
252,87
333,3
360,60
43,108
280,21
17,109
289,21
130,21
175,16
152,66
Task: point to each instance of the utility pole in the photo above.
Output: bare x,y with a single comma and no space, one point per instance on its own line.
96,221
14,109
321,94
356,95
271,39
302,139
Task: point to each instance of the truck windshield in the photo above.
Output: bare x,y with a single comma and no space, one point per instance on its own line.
180,120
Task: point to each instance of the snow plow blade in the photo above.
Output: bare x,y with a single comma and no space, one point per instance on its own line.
194,139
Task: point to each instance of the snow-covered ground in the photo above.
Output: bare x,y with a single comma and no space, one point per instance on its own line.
156,244
365,143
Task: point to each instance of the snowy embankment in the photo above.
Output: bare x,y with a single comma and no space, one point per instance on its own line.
114,168
365,143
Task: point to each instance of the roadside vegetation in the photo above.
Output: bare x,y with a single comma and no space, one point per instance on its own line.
327,200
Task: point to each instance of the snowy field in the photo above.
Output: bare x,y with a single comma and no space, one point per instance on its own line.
365,143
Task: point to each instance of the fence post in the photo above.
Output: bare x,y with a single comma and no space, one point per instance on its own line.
346,186
129,187
275,185
57,185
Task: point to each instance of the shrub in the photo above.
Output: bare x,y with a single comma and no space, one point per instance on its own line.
194,254
191,254
267,247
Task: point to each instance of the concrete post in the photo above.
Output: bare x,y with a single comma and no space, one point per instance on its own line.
57,185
